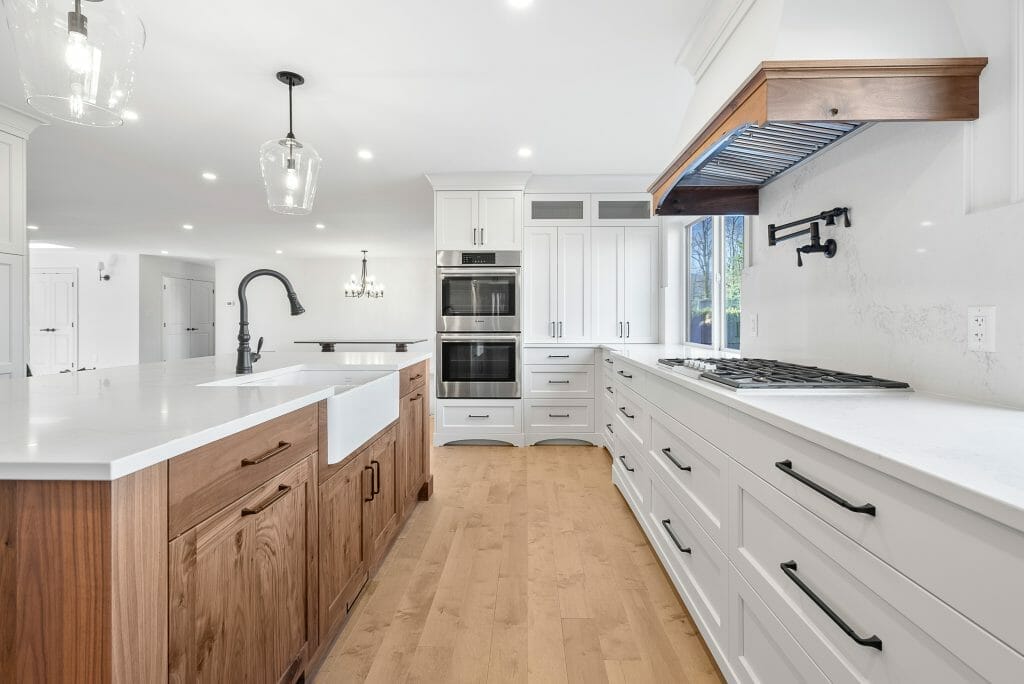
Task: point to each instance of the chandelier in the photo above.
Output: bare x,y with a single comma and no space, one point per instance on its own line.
366,286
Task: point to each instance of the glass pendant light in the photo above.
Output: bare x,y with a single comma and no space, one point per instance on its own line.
77,67
290,168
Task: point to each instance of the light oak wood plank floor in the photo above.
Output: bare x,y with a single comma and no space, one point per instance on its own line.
526,566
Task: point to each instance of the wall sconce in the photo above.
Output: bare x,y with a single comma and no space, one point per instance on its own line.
101,267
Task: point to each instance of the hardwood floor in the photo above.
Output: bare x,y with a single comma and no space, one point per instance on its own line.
527,565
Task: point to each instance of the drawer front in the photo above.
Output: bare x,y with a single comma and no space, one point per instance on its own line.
706,417
630,376
631,416
693,470
761,651
698,567
559,416
411,378
205,480
558,381
631,476
559,355
494,417
883,628
935,543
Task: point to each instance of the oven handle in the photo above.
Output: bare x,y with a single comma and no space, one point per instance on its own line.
474,337
450,271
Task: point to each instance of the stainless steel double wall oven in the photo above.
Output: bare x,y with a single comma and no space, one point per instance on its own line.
479,298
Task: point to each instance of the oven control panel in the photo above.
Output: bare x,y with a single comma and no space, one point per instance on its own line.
479,259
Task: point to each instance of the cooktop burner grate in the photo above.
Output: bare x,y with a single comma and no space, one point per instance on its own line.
771,374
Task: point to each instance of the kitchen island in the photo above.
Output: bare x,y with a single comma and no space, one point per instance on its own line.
161,523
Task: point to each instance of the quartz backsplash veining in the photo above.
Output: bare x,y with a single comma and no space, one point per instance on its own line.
893,302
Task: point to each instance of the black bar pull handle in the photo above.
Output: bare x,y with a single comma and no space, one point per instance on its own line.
625,375
609,361
787,467
558,382
282,490
668,454
622,457
667,524
558,415
376,486
256,460
373,494
789,567
631,416
610,389
558,356
609,426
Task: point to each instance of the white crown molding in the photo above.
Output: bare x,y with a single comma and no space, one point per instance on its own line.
714,28
18,122
505,180
589,183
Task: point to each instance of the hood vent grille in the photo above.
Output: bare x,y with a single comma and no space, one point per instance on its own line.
756,155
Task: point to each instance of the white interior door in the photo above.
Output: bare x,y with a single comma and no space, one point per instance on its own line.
175,318
539,269
53,321
200,318
641,284
607,290
573,289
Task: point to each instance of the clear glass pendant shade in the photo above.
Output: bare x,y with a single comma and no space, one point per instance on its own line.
290,171
77,66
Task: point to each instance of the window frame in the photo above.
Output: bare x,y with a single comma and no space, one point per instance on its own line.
718,313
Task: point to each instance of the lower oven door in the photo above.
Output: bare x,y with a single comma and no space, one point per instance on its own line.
478,366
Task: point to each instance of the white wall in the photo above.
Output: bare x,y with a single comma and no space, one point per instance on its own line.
108,311
936,207
152,269
406,310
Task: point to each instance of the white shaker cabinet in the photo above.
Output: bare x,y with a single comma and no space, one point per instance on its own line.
12,192
556,282
624,284
539,277
486,219
573,289
12,315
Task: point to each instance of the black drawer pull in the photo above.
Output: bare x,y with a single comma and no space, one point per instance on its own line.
268,502
610,390
787,467
416,377
558,356
625,375
677,464
486,415
631,416
558,382
622,457
667,524
373,494
255,460
376,485
609,361
558,415
609,426
789,567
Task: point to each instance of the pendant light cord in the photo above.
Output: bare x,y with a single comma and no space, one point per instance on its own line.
290,133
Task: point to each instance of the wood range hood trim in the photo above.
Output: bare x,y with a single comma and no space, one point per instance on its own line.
818,102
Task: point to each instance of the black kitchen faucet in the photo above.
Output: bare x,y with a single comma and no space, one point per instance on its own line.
245,356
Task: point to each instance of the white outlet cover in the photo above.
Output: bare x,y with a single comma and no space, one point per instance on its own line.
981,328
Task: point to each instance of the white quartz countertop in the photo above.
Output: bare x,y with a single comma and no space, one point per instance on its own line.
968,453
108,423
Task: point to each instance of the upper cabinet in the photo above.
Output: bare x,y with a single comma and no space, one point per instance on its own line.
626,209
557,210
486,219
12,194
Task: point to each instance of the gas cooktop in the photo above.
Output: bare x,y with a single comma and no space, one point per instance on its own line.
742,374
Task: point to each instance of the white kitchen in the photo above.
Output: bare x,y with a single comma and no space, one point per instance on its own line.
512,341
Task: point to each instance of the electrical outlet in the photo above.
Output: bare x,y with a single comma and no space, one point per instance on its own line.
753,325
981,328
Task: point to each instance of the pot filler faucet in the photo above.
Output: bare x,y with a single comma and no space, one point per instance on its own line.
245,356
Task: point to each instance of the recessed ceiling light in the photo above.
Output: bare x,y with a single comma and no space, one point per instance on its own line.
519,4
130,115
320,226
35,244
525,152
31,227
277,251
187,226
209,175
927,223
163,251
365,154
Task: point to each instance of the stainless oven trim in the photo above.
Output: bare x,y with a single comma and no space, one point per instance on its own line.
477,324
479,390
452,258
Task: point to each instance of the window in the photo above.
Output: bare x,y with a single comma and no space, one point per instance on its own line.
714,258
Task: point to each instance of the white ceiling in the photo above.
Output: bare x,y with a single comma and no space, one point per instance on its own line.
449,86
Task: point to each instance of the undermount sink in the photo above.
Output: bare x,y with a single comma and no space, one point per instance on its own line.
364,402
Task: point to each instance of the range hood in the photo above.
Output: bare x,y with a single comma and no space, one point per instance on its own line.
787,112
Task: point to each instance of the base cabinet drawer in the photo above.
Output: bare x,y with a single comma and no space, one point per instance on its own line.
496,416
934,542
559,355
698,567
631,417
694,470
559,416
761,651
856,617
633,377
558,381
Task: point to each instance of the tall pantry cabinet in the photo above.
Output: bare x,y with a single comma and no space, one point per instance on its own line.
15,127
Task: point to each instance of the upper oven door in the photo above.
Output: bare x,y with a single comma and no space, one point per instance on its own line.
478,300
